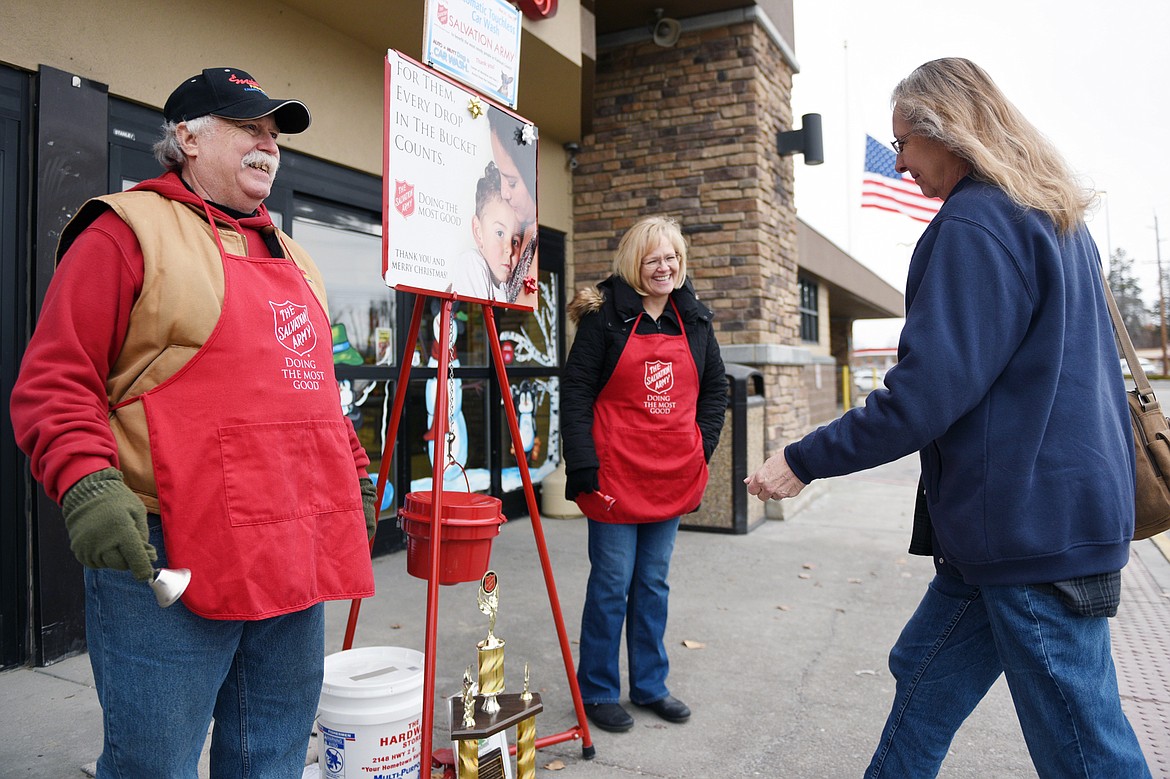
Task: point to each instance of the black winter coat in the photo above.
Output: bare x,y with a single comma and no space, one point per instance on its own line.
604,316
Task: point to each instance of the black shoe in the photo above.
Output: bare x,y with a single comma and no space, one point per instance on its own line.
609,716
669,708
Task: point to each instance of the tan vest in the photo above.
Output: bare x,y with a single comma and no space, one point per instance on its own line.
178,308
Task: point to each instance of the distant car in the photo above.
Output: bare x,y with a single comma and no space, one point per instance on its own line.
1145,364
868,379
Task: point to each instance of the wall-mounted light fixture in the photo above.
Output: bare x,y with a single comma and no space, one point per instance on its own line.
807,140
666,31
573,149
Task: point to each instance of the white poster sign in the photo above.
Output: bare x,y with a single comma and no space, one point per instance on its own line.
459,189
476,42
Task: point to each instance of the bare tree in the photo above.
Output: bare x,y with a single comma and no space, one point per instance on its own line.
1139,319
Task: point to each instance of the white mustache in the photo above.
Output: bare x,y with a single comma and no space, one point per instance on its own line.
269,163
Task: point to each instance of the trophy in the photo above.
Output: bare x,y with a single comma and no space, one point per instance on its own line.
468,748
526,737
491,649
498,710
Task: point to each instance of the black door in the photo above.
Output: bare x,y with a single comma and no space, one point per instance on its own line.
14,291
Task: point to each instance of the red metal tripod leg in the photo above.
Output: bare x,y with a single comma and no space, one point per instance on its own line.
582,729
430,650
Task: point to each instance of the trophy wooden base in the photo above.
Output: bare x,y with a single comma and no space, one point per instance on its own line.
512,710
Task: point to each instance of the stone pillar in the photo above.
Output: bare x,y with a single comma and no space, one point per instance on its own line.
690,132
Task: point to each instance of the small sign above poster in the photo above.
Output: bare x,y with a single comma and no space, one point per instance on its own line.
476,42
459,186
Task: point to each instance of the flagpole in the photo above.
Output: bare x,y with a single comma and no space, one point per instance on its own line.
850,154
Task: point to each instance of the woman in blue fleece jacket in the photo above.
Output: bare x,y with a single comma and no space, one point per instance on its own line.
1007,385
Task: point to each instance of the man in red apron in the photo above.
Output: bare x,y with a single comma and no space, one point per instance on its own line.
642,405
178,399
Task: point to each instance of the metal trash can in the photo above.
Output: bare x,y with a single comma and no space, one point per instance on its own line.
727,507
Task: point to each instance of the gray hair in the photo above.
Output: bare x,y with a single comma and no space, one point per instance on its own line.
168,151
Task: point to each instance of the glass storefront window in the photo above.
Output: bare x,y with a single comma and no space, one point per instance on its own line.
468,465
467,335
529,341
368,403
529,338
537,414
347,248
346,244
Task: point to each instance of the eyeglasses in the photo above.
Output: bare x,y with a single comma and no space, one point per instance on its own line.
650,262
900,143
251,128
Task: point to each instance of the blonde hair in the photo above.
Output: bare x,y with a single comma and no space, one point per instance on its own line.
643,237
953,101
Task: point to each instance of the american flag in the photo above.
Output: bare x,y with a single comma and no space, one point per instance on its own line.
885,188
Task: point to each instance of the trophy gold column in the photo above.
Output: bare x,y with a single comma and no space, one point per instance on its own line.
491,649
526,738
468,748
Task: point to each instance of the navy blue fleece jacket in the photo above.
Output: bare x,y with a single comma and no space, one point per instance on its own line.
1008,385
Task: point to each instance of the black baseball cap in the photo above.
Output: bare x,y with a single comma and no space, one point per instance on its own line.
233,94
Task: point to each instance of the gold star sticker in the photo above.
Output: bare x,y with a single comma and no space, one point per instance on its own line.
475,108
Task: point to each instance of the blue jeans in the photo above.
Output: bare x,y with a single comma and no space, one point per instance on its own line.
627,584
163,674
1059,670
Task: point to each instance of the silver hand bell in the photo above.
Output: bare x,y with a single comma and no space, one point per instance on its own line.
168,584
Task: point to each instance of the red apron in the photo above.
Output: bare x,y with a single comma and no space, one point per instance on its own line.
257,484
645,433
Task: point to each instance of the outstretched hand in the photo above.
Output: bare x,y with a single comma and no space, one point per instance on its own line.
774,479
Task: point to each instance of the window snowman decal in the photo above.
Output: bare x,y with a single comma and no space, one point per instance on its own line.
524,398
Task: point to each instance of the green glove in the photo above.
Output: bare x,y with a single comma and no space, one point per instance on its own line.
107,525
369,505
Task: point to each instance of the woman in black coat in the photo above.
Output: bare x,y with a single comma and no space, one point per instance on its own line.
643,396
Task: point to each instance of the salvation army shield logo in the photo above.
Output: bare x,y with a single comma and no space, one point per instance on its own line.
403,197
659,376
294,329
442,14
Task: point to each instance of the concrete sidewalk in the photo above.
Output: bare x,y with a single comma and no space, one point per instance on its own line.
790,625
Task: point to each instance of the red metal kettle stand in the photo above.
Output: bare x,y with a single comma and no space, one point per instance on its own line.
581,731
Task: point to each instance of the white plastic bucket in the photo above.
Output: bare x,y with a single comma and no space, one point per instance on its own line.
370,715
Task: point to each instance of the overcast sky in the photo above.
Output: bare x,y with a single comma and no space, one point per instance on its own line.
1092,76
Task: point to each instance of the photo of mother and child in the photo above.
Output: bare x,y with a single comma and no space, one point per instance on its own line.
502,266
